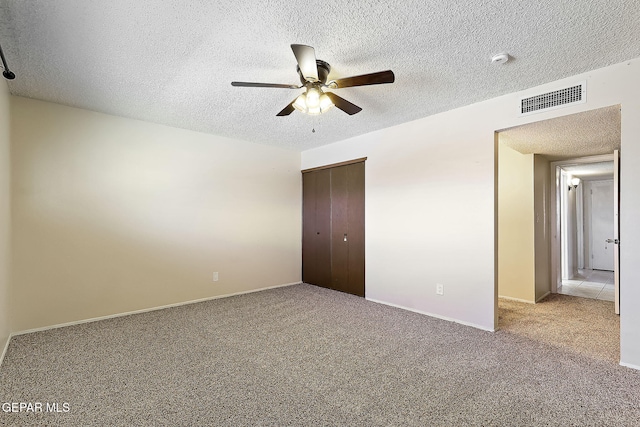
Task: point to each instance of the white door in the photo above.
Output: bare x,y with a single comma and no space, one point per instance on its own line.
616,228
602,225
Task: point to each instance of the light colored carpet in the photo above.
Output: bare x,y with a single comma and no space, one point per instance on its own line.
304,355
578,325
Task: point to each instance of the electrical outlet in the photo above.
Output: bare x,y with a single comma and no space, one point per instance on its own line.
439,289
215,276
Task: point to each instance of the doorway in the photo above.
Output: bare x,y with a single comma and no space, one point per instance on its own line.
539,145
585,217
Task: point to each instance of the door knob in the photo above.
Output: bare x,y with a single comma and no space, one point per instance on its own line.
616,241
345,237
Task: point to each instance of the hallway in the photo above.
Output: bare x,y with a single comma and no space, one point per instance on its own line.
594,284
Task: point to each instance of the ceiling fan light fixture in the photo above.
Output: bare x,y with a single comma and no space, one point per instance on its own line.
325,103
313,98
313,74
313,102
300,103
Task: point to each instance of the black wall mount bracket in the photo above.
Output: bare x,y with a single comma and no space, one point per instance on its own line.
8,74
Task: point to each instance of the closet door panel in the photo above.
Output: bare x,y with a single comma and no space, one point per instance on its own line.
316,228
340,228
356,229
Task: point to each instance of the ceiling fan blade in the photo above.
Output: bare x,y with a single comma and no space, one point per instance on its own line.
306,57
343,104
287,110
250,84
366,79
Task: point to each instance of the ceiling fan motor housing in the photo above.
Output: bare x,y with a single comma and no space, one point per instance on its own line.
323,72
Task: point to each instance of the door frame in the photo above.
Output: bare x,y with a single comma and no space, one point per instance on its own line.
616,230
556,242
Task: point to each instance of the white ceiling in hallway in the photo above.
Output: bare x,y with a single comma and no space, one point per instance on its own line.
172,61
591,171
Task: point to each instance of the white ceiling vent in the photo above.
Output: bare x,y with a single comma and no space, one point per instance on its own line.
552,100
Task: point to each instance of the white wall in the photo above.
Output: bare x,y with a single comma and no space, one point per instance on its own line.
586,203
430,196
571,240
580,218
429,213
5,216
112,215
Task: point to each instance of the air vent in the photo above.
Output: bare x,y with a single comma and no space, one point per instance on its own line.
551,100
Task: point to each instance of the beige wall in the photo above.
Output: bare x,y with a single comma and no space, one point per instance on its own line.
541,198
5,215
516,256
430,187
112,215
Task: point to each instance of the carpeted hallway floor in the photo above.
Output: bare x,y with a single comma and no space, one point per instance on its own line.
303,355
582,326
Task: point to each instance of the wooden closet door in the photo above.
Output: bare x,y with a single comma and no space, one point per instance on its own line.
355,237
316,228
347,228
333,228
340,229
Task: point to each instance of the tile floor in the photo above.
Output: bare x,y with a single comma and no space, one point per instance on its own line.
595,284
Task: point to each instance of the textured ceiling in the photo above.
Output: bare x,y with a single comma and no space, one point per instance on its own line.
576,135
172,61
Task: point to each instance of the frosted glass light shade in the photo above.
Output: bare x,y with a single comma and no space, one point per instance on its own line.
313,98
313,102
325,103
300,103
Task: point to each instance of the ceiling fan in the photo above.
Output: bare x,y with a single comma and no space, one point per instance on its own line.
313,76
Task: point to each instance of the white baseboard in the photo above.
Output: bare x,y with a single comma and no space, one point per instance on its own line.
6,346
437,316
629,365
144,310
517,299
